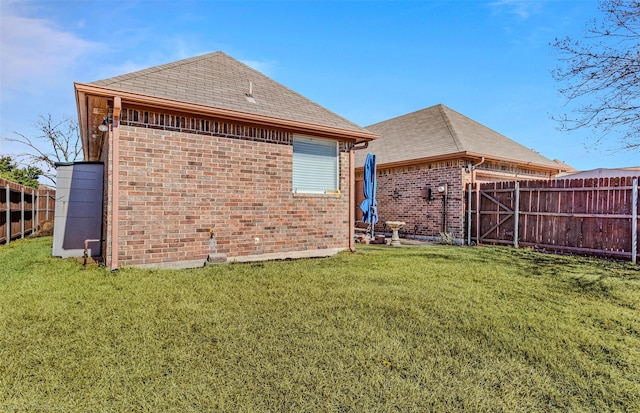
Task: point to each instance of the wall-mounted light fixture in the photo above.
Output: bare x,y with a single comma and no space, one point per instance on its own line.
104,127
396,194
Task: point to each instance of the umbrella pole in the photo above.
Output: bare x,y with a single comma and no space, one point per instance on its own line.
375,184
373,226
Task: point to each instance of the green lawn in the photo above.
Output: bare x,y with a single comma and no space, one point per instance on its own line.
430,328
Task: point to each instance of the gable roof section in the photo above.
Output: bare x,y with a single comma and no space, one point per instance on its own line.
218,81
439,131
602,173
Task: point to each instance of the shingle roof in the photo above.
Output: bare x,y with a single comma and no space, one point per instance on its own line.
602,173
438,131
219,81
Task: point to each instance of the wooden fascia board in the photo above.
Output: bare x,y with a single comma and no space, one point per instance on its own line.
196,108
532,165
411,162
498,175
465,155
81,105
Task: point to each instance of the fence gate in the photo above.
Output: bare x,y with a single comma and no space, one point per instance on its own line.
587,216
496,219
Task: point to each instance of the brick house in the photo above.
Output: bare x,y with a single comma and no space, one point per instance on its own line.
210,142
439,148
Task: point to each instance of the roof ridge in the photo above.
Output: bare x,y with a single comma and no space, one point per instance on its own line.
405,115
483,126
218,80
447,121
157,68
439,130
269,79
312,102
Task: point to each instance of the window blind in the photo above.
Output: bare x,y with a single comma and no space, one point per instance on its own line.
315,165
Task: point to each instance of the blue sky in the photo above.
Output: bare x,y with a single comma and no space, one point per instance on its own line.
366,61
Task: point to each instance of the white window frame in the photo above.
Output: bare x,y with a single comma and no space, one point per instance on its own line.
315,173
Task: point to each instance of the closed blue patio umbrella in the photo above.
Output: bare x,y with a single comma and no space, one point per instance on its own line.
369,206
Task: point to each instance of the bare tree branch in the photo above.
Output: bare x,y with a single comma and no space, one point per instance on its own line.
601,75
59,142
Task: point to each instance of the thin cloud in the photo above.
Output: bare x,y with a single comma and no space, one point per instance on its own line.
265,67
122,68
522,9
35,50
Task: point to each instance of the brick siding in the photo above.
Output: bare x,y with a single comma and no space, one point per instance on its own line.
174,186
422,216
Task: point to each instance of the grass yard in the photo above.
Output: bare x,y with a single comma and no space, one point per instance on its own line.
430,328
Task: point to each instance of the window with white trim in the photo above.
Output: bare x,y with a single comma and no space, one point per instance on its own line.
315,165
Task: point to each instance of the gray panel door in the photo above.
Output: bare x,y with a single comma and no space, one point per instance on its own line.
79,195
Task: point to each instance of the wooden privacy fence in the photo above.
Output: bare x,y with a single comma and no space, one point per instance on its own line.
22,209
587,216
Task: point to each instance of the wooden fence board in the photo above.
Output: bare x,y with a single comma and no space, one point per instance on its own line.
591,216
22,209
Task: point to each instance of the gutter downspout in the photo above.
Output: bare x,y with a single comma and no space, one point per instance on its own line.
473,170
473,182
352,193
115,184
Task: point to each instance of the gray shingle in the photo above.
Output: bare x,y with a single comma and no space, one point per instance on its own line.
439,130
219,81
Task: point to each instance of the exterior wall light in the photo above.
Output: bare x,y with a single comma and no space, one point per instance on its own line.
103,127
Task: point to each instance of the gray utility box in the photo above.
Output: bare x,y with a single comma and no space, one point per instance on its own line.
78,216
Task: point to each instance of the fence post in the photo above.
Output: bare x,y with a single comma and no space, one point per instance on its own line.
478,186
47,210
516,215
634,222
36,205
8,214
33,211
469,215
22,212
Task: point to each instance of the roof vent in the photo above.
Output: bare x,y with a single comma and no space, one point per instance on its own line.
249,95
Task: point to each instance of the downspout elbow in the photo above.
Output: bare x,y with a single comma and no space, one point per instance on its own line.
473,170
478,164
